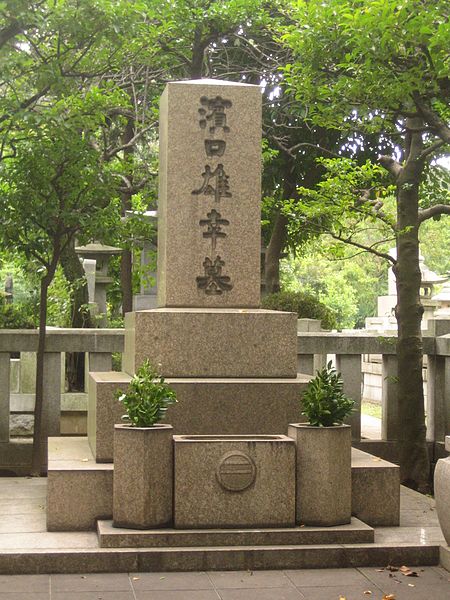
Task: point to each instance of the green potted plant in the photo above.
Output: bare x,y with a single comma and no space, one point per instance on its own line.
143,454
324,452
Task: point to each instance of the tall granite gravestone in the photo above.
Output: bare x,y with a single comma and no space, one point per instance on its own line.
208,323
232,364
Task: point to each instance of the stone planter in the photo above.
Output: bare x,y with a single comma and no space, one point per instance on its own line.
324,490
226,481
143,476
442,492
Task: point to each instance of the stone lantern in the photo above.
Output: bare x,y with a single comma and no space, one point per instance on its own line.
146,298
443,301
95,262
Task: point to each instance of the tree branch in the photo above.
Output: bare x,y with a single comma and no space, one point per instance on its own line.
391,165
111,153
433,211
430,149
439,126
370,249
9,32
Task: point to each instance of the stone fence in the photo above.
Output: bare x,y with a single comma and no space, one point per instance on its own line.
348,349
98,344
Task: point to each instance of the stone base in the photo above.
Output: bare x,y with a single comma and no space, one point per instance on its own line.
79,491
212,342
243,558
356,532
234,481
104,411
84,490
246,406
375,490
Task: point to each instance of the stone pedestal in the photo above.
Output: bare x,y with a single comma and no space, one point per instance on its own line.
324,483
234,481
188,342
143,476
245,406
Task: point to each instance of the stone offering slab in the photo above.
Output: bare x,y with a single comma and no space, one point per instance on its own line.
234,481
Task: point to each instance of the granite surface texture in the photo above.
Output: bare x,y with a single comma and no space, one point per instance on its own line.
184,164
212,342
143,476
104,411
324,492
234,481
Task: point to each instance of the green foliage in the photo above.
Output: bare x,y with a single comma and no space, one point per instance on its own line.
305,305
324,403
369,54
147,398
20,315
346,280
434,244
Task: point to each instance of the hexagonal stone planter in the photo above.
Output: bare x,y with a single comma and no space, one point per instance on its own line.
143,476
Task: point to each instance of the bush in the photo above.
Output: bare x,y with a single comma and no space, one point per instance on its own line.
305,305
18,315
147,398
324,402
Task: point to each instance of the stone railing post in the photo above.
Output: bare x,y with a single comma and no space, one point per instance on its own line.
52,394
438,382
305,364
349,365
389,423
308,364
4,396
99,361
438,398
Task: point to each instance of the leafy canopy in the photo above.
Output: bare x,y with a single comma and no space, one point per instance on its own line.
366,56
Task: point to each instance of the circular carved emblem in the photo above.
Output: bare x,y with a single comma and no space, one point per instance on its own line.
236,471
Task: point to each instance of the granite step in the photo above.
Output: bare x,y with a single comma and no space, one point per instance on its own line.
113,537
242,558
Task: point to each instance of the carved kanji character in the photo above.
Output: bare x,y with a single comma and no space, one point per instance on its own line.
215,183
216,116
215,148
214,224
213,282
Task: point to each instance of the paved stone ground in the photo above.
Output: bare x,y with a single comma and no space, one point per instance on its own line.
432,583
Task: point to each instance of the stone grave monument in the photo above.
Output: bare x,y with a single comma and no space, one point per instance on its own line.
232,364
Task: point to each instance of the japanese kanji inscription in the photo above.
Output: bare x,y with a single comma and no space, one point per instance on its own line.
209,221
215,183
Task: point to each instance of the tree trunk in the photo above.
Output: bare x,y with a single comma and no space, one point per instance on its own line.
126,261
80,315
198,55
40,436
414,461
273,254
279,233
